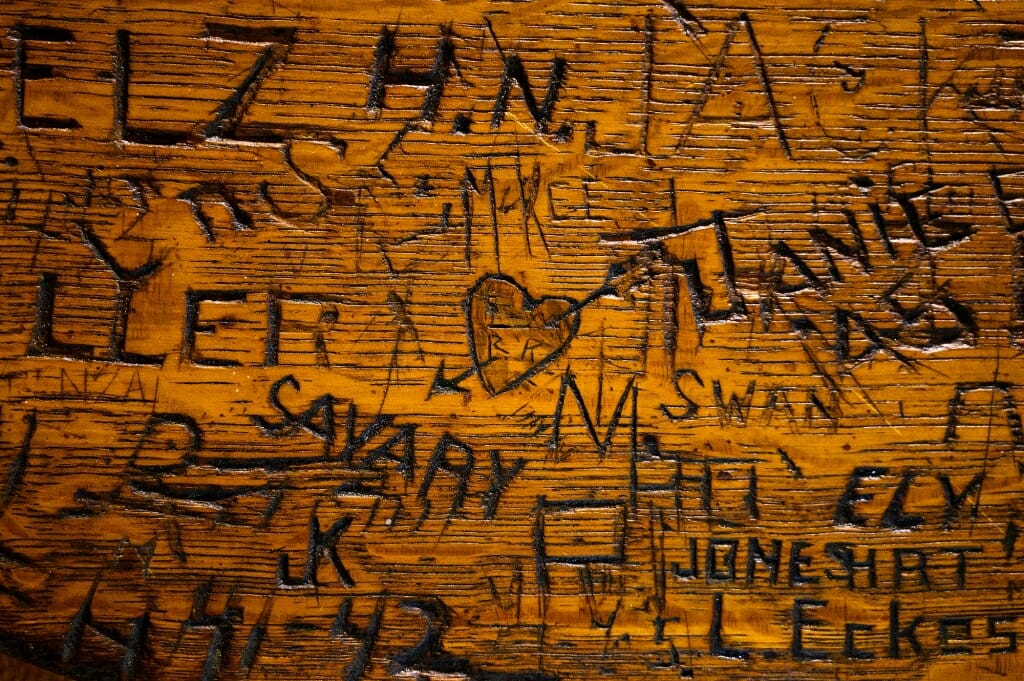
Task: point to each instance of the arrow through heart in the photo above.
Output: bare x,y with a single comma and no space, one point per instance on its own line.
513,336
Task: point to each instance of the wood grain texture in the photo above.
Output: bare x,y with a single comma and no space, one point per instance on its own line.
512,341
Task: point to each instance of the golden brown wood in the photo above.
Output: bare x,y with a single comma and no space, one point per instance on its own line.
13,669
509,341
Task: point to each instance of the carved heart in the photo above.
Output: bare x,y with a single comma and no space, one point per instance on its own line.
512,336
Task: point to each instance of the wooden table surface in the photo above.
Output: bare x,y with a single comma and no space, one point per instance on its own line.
493,340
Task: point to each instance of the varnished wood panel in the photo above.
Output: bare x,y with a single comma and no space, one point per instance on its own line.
512,341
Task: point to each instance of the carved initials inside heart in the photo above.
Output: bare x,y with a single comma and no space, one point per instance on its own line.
513,336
